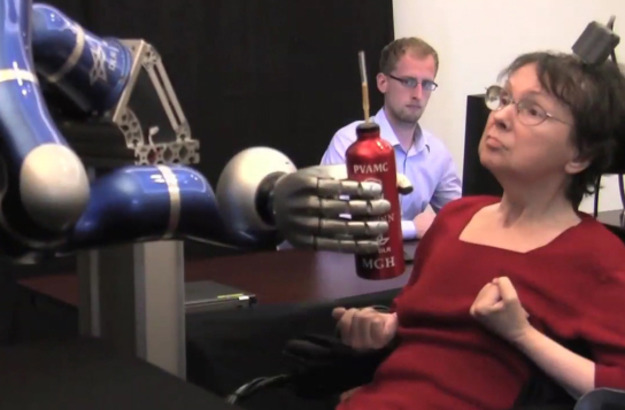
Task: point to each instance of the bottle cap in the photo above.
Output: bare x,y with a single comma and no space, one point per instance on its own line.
368,126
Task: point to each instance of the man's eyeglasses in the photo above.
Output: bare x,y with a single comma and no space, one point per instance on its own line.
528,112
411,82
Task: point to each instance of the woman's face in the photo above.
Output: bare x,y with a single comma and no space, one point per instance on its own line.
511,148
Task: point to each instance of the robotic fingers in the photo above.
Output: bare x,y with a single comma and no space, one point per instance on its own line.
318,207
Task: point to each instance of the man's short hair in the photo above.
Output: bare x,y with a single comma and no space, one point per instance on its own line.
393,51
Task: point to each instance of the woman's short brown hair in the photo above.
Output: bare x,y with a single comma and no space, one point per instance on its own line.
595,94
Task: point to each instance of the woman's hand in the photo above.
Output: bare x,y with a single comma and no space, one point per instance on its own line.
497,307
366,328
349,393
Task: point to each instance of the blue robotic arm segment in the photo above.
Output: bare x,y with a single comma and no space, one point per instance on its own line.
198,215
92,71
138,203
112,98
24,111
130,203
45,183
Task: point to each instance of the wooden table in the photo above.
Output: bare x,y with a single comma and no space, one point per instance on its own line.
288,276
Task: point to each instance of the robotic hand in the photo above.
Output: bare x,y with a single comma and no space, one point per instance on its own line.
315,207
310,206
73,100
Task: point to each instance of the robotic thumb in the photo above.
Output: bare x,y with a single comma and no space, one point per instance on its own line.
339,171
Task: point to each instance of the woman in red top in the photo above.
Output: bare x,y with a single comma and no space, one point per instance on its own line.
501,285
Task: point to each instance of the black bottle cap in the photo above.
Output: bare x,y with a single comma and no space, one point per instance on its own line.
368,126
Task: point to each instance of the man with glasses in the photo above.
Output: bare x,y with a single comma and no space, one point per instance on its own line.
408,67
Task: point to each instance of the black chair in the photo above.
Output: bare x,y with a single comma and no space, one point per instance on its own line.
602,399
227,349
309,372
323,366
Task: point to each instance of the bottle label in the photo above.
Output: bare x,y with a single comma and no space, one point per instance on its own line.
371,168
373,160
384,257
378,263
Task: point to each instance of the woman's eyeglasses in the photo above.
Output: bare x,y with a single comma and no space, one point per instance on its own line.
528,112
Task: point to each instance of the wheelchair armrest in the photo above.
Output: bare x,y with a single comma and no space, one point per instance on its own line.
226,349
322,365
602,399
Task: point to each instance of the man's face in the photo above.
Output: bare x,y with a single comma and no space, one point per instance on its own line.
402,102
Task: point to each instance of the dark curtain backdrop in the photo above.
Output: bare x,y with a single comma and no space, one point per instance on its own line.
281,73
278,73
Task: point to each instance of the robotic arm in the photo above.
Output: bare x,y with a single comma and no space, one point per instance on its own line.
304,206
43,183
109,105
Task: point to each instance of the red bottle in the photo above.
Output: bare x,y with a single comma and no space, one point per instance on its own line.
372,158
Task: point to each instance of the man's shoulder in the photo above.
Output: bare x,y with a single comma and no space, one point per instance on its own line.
347,132
435,142
341,140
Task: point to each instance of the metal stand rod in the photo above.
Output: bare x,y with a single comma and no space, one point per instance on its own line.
133,296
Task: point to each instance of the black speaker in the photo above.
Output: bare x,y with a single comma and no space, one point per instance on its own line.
476,180
617,164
